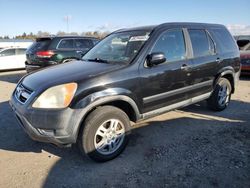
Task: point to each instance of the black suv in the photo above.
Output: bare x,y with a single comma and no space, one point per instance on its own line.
46,51
130,75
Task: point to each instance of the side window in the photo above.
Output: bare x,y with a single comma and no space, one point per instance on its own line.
66,44
172,44
83,44
20,51
225,40
8,52
200,42
95,41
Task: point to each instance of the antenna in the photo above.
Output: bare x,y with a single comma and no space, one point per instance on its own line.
67,18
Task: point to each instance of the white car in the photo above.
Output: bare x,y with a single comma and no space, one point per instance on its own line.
12,58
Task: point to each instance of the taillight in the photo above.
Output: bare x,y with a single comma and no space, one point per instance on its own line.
45,54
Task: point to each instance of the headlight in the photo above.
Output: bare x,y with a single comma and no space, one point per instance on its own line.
56,97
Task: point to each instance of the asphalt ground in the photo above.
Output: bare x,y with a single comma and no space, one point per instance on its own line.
189,147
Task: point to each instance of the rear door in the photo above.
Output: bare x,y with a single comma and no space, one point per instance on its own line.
20,57
66,49
205,62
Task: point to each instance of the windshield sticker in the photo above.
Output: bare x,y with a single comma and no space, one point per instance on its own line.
139,38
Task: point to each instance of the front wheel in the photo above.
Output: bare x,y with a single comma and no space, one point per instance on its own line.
105,133
221,95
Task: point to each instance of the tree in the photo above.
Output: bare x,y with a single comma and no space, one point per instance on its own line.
42,33
61,33
96,34
24,35
74,33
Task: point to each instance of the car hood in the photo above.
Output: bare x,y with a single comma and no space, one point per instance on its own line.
65,73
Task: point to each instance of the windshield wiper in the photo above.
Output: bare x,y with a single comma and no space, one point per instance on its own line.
99,60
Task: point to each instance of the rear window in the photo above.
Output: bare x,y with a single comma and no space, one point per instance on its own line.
225,40
40,44
201,43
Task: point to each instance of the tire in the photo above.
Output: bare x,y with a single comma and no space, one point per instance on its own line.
96,138
221,95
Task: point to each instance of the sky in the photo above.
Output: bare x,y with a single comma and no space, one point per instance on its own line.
19,16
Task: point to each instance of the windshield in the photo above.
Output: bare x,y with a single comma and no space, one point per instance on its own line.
118,47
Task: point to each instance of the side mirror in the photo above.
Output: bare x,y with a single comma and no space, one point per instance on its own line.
155,59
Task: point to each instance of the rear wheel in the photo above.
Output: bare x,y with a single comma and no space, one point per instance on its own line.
105,133
221,95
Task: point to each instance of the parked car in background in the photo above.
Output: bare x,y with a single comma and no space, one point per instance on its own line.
47,51
15,43
242,37
244,46
12,58
130,75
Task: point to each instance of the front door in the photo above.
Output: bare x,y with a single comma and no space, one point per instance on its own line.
167,83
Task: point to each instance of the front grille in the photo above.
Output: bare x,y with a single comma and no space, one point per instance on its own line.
22,93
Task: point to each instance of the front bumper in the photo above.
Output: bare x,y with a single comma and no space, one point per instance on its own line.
59,127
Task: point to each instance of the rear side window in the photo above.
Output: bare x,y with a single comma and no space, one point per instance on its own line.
20,51
211,45
8,52
83,43
66,44
95,41
202,44
225,40
172,44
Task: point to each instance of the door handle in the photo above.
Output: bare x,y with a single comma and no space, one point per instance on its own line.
184,67
79,52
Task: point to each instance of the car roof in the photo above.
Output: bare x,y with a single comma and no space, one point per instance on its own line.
178,24
14,47
142,28
68,36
